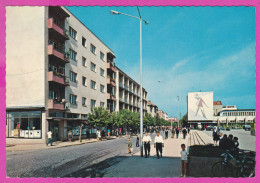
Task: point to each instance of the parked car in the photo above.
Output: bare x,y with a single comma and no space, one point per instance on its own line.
221,128
228,128
247,127
210,128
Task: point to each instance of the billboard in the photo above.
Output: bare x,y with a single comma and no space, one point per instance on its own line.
200,106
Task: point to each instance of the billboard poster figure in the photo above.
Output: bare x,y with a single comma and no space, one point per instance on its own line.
200,103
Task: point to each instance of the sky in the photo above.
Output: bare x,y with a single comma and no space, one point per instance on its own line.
187,49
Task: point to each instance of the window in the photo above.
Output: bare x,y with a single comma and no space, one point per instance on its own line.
84,101
83,42
102,88
73,33
73,99
93,67
52,94
84,81
84,62
93,103
93,49
102,56
73,76
24,124
102,104
93,84
73,55
102,72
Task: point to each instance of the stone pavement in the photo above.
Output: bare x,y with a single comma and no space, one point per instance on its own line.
167,166
57,144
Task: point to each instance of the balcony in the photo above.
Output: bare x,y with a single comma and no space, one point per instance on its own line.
121,85
111,97
58,30
57,105
121,100
111,81
58,78
58,52
111,66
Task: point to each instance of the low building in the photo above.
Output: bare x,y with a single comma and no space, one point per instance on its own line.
162,114
217,107
152,108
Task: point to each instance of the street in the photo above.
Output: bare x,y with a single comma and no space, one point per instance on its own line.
67,161
245,139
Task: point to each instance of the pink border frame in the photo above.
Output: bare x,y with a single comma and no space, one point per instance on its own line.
254,3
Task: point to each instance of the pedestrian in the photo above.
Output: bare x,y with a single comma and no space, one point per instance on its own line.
158,144
188,130
184,132
98,135
146,140
235,139
137,141
223,142
165,134
230,143
215,135
173,133
108,132
49,134
70,136
130,149
184,160
177,132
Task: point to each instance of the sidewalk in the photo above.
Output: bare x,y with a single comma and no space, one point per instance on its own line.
57,144
167,166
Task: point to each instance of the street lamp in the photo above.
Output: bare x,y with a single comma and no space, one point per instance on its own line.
179,111
171,101
141,82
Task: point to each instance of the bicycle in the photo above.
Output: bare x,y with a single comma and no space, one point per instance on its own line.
232,167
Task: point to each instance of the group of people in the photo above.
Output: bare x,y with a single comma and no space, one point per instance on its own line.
177,130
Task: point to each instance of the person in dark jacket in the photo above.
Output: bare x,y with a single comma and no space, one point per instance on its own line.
223,142
215,135
177,132
230,143
184,132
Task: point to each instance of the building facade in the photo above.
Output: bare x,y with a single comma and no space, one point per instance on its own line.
152,109
63,72
162,114
217,107
128,93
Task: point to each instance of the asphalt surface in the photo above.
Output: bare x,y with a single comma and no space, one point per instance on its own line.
73,161
245,139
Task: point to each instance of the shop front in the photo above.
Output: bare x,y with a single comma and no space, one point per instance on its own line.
26,125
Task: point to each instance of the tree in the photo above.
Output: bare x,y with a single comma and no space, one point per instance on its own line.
99,117
184,120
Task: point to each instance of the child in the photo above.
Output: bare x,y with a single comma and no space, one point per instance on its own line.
235,139
184,160
137,141
130,146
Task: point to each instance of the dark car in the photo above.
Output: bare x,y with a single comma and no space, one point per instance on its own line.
210,128
247,127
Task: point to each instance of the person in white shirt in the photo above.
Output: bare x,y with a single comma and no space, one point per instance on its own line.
184,160
146,140
49,134
158,144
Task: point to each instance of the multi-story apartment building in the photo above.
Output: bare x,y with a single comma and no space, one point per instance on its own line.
56,71
162,114
128,93
152,108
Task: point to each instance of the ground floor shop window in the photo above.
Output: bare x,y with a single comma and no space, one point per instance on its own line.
74,127
24,124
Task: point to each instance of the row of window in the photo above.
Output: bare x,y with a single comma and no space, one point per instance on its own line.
73,34
239,114
73,101
73,77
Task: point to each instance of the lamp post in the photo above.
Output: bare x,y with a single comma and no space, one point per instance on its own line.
141,82
171,99
179,111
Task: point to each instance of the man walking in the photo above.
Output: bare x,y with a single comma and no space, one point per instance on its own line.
49,134
147,139
184,132
177,132
158,144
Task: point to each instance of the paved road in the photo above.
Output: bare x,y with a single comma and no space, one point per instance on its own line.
245,139
60,162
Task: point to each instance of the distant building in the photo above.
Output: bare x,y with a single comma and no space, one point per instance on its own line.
229,107
162,114
152,108
217,107
174,119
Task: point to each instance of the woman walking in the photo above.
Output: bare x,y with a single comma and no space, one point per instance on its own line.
215,135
